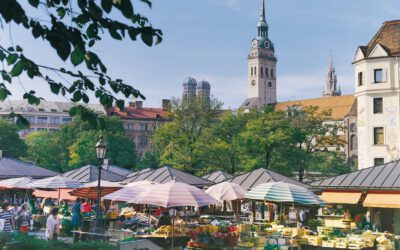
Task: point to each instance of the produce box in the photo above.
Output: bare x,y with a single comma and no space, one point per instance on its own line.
328,243
314,240
356,245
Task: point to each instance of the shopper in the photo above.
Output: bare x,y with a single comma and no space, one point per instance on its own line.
24,219
53,225
6,215
76,222
164,220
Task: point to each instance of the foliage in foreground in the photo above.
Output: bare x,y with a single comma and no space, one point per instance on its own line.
10,141
19,241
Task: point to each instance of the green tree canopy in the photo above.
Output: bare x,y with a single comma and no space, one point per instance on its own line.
73,145
10,140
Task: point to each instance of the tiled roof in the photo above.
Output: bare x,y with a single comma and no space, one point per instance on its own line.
261,175
388,37
145,170
45,106
167,174
385,176
340,105
139,113
13,168
90,173
218,176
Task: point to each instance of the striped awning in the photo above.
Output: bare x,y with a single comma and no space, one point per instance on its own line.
62,194
130,191
89,190
282,192
382,200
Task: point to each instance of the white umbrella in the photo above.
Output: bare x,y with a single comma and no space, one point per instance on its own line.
174,194
226,191
16,183
56,182
282,192
129,192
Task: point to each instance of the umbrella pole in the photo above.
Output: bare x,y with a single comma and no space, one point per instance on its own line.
59,196
173,232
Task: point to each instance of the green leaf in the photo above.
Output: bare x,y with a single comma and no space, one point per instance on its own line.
120,104
34,3
73,111
55,87
4,93
77,57
77,96
106,5
19,49
104,99
147,39
85,98
113,32
2,56
11,59
61,12
147,2
63,50
18,68
126,8
5,76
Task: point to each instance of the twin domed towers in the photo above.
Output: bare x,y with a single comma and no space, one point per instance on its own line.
192,88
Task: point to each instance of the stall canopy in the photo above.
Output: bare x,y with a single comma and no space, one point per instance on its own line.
382,200
117,170
341,197
167,174
385,176
90,173
218,176
13,168
89,190
261,175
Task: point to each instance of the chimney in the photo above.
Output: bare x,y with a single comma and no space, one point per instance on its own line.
107,161
139,104
1,154
132,104
165,104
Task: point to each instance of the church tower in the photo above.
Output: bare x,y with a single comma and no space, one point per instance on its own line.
261,83
331,86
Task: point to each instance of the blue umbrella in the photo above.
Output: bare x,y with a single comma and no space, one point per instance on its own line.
282,192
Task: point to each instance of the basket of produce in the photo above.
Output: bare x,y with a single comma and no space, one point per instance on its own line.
166,231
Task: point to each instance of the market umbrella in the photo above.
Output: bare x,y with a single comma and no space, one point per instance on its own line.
129,192
282,192
56,182
226,191
16,183
89,190
174,194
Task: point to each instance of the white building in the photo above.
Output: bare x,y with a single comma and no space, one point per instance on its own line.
261,83
377,89
47,116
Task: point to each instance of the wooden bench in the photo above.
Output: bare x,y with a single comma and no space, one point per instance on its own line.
77,236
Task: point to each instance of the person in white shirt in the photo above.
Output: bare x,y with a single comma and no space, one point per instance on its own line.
53,225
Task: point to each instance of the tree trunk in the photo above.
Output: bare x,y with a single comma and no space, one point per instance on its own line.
301,175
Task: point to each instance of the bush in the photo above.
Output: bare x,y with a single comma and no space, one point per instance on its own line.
21,241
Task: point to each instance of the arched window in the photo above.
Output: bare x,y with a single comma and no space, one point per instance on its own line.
255,71
266,71
262,71
251,69
353,128
353,142
272,73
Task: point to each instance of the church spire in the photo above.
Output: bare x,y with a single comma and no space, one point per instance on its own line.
262,25
331,87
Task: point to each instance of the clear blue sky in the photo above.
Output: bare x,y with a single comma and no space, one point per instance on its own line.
210,39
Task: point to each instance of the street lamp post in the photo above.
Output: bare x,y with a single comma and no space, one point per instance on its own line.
100,153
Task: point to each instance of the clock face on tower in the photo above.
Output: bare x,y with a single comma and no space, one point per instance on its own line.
254,43
270,84
266,44
253,83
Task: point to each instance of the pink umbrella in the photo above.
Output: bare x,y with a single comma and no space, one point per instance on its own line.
174,194
226,191
130,191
